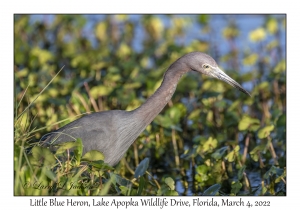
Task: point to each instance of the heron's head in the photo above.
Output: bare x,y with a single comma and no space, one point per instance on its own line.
203,63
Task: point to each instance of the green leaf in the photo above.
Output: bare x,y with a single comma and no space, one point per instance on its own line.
66,146
101,31
188,154
201,175
202,169
100,90
281,120
264,190
233,154
237,148
210,144
105,189
254,154
171,193
177,128
50,174
163,190
43,155
248,123
265,132
124,50
101,165
176,112
280,67
272,25
273,171
235,187
78,151
257,35
141,185
212,190
194,115
241,172
124,190
80,171
230,156
42,55
164,121
141,169
218,154
251,59
120,180
22,73
230,32
170,182
203,19
93,155
280,175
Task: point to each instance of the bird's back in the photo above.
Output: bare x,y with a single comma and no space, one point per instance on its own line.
110,132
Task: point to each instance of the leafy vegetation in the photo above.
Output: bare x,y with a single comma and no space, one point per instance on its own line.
209,140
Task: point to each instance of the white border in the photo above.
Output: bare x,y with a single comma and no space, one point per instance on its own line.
8,8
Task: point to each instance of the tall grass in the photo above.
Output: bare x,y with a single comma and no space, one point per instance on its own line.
39,170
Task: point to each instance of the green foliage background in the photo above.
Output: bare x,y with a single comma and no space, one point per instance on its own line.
209,140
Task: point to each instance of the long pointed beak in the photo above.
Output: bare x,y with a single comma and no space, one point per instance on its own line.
221,75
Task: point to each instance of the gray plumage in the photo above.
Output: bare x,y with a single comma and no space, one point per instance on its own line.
112,132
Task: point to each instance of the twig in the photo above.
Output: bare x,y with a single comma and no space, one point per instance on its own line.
21,99
87,88
246,149
223,166
34,176
157,140
87,108
128,167
271,148
261,164
136,156
100,104
76,110
69,110
247,181
68,162
58,161
153,179
39,94
175,148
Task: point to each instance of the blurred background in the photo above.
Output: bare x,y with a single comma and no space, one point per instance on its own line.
209,134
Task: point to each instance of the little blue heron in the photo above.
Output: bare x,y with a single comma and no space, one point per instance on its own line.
112,132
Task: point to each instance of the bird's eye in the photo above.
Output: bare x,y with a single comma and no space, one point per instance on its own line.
205,66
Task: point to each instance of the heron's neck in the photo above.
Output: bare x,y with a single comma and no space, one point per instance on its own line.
154,105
